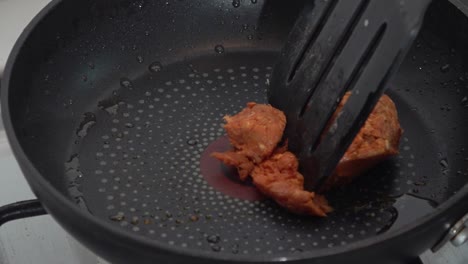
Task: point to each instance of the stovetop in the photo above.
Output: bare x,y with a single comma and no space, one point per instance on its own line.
41,240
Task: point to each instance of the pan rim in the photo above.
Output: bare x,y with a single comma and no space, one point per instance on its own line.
38,182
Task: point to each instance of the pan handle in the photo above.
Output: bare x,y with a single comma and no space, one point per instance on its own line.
457,234
20,210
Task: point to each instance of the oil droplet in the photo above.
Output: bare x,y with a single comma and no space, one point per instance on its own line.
112,110
72,169
80,201
66,104
155,67
88,120
139,4
140,59
219,49
445,68
250,37
216,248
213,239
192,142
464,101
253,1
125,83
443,163
408,207
236,3
129,125
235,249
117,218
75,178
392,217
110,105
135,220
420,183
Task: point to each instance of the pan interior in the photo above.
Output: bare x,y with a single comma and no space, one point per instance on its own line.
139,150
129,136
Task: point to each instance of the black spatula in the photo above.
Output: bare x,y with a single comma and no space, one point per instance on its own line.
338,46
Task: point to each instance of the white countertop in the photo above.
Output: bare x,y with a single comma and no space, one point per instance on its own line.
14,16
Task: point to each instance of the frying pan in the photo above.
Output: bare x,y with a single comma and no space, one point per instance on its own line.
113,107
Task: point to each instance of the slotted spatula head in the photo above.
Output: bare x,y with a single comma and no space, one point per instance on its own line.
338,46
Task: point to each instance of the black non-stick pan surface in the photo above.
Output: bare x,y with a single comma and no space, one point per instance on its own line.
117,105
